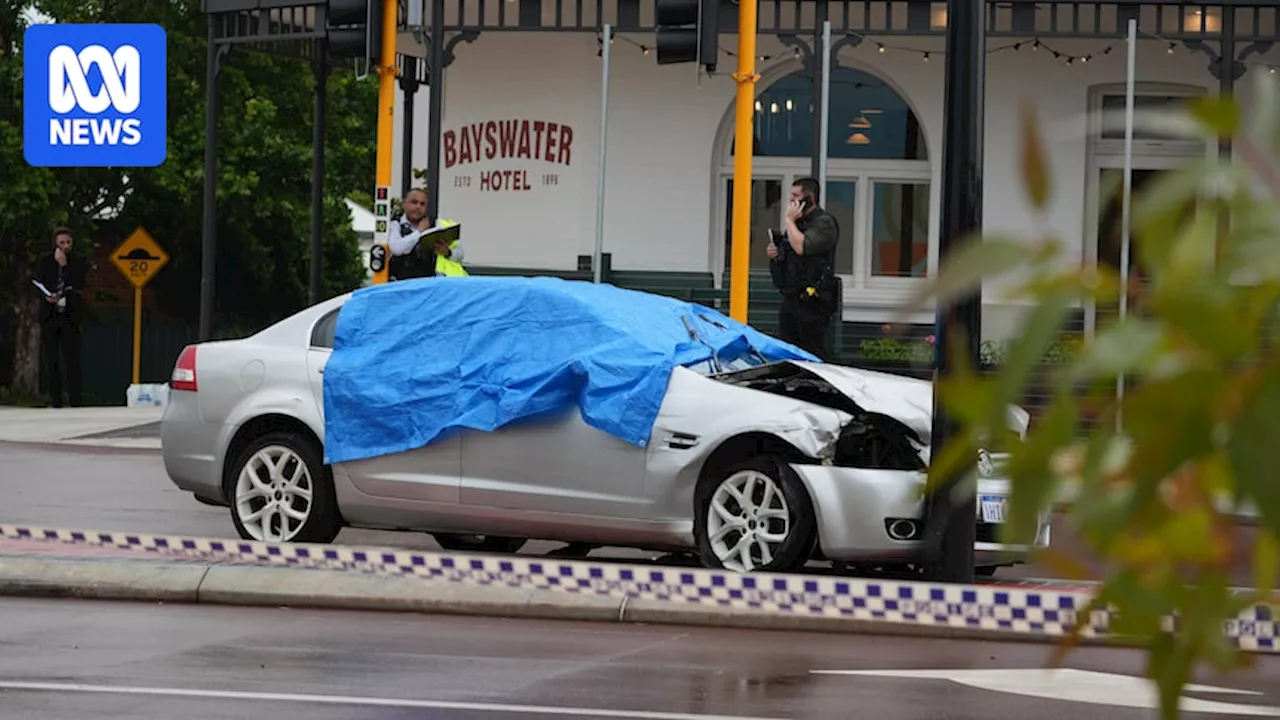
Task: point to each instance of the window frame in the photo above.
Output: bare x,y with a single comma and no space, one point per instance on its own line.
866,297
1108,154
862,289
316,328
903,285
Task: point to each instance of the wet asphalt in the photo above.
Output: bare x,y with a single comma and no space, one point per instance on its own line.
69,659
387,666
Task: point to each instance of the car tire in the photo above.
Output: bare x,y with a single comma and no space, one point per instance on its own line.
479,543
313,520
771,481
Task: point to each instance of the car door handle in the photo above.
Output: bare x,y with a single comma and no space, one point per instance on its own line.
321,371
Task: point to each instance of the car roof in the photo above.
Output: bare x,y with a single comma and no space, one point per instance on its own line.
296,329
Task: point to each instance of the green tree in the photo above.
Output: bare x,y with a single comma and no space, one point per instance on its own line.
1158,471
264,170
264,177
32,202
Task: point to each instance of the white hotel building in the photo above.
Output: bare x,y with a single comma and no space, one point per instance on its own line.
521,123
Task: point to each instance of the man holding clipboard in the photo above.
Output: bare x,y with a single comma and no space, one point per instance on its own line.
60,278
421,249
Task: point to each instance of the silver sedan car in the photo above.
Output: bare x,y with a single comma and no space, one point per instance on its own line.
832,467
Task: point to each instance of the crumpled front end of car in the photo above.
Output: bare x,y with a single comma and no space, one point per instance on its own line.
876,515
869,463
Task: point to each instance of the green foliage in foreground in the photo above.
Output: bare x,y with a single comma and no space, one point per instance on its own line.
1159,469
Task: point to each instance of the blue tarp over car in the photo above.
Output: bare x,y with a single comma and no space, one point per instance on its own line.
416,360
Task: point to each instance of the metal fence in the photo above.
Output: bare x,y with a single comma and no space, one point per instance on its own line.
107,352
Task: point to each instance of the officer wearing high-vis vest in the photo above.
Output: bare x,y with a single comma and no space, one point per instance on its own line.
410,261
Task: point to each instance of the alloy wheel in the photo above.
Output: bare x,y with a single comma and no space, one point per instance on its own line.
747,520
273,494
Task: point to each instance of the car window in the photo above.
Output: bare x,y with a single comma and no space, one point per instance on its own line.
322,333
727,364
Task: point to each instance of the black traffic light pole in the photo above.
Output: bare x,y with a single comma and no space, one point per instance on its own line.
321,67
209,230
950,522
409,85
208,246
435,93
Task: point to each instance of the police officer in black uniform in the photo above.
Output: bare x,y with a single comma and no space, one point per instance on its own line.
801,261
404,262
408,260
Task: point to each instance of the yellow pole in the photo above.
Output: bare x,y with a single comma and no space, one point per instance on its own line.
746,77
137,335
386,121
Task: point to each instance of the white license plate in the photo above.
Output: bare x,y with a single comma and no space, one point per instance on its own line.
992,508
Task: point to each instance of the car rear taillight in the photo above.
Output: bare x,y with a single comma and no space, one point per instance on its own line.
184,371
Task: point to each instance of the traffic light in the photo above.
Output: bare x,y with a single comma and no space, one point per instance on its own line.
688,31
354,29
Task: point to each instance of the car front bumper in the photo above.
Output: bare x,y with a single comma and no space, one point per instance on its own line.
855,507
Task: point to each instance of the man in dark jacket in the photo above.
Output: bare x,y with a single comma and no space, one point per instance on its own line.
61,275
801,261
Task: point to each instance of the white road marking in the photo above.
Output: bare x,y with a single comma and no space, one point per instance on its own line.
1084,686
367,701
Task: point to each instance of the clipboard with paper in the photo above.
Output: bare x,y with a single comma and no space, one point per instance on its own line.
419,255
440,232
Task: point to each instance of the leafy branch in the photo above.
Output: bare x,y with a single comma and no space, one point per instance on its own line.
1199,414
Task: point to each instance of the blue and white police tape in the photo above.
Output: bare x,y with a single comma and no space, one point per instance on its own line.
1036,611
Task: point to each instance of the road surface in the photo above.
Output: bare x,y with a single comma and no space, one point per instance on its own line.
116,490
96,660
127,490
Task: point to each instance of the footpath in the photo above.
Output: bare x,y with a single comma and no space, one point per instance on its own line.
72,563
104,427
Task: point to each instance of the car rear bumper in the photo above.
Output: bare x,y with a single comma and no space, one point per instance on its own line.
189,447
855,507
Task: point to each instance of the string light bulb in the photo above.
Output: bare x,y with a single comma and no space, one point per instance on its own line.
882,48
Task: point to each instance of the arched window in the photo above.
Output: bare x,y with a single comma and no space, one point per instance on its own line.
868,119
1154,154
877,177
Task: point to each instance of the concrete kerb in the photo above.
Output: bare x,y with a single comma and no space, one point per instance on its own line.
347,577
233,585
88,446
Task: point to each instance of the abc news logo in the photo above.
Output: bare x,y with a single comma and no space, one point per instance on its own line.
121,91
95,95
